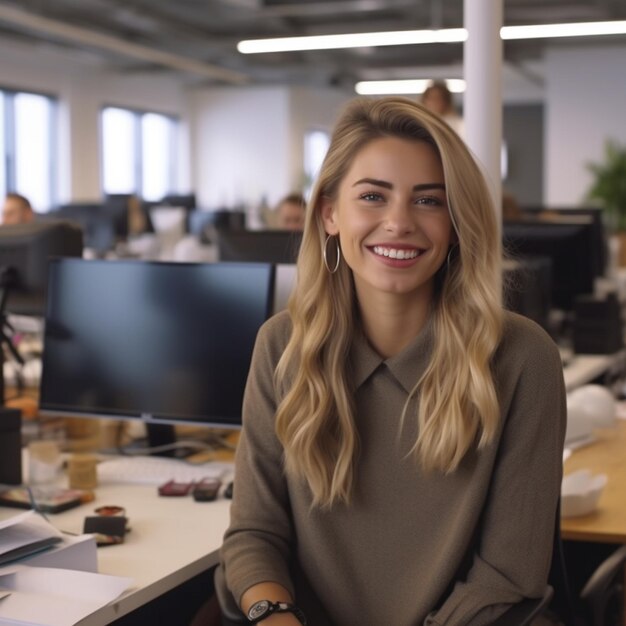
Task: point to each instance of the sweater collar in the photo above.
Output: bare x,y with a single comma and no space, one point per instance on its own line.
406,367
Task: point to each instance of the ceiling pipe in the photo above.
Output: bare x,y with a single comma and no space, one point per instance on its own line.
84,36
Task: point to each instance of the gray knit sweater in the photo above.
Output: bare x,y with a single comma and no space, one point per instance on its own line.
412,548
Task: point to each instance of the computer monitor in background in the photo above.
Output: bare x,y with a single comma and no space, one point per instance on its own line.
204,224
261,246
25,253
165,343
103,225
571,245
187,200
601,256
116,207
527,287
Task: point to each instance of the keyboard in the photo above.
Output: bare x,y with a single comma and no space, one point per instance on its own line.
154,470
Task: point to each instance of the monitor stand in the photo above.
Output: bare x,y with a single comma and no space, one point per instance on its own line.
161,435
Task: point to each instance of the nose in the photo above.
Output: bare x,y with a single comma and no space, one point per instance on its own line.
400,219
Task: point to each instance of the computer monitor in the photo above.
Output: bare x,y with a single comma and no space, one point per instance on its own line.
570,244
116,207
187,200
527,286
203,224
102,225
261,246
601,253
25,252
165,343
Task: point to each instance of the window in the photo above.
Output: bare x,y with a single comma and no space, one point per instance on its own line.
138,153
27,143
316,144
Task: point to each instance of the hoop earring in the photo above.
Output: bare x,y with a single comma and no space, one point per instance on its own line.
337,254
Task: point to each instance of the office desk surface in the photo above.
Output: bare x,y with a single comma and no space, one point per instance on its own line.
584,368
171,540
606,455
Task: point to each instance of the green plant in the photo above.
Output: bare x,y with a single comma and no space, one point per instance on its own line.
609,186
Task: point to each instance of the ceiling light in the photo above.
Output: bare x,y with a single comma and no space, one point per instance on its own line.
400,87
577,29
356,40
413,37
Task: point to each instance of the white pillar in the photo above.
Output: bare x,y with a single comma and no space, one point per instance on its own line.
482,103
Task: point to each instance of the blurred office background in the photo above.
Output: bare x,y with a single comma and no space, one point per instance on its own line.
152,98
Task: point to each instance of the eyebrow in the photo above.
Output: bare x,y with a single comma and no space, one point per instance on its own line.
388,185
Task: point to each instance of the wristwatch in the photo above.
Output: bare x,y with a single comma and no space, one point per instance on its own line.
264,608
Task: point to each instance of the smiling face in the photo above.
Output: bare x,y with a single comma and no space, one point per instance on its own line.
392,219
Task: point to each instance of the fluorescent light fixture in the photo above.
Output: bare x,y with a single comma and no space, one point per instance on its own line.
399,87
356,40
414,37
577,29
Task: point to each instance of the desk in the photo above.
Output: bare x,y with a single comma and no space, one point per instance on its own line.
585,368
607,455
171,541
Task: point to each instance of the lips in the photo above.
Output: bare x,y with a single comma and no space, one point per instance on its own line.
401,254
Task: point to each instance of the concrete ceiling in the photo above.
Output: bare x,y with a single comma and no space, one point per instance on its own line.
197,38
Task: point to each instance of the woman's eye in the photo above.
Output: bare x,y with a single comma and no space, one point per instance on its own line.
371,196
429,201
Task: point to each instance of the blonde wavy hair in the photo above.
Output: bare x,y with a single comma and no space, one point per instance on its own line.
457,404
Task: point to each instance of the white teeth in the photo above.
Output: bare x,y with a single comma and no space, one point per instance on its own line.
395,253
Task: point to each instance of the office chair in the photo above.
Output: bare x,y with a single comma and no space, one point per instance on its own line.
603,595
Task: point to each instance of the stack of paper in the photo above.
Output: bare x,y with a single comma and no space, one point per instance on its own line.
25,534
55,583
44,597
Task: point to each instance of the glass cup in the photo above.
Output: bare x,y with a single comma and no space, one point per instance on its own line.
44,462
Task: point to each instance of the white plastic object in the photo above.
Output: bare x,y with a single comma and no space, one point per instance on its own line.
597,402
580,492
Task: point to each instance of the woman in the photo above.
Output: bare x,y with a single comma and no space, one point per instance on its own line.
400,460
438,99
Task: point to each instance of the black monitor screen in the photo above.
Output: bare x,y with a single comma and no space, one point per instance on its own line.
25,251
570,245
259,246
103,225
528,288
600,246
164,342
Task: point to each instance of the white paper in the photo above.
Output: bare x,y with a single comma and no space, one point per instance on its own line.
77,552
16,519
24,530
54,597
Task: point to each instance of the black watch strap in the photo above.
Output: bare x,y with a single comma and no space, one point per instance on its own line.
264,608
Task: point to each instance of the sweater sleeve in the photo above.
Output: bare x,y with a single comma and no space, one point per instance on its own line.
514,548
257,544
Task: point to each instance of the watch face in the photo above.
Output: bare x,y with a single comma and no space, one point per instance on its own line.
258,609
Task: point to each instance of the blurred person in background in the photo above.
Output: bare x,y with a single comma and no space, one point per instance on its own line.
290,212
17,209
438,99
